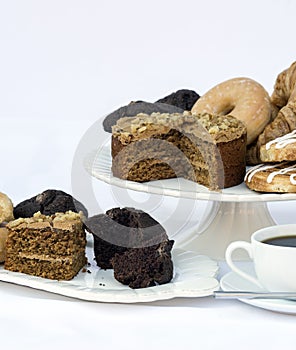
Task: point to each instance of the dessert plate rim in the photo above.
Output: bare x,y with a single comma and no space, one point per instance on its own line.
194,276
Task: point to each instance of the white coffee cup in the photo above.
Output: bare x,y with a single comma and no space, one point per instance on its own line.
275,266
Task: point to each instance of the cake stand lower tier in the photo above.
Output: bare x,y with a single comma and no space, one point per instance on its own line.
235,212
224,223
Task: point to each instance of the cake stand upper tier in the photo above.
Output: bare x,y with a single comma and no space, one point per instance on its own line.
235,214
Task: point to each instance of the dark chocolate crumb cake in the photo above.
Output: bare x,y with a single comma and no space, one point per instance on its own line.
144,267
121,229
48,202
136,107
183,98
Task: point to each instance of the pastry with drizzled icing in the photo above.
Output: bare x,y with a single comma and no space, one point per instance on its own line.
280,149
278,177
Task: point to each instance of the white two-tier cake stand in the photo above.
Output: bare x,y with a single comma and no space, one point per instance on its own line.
234,214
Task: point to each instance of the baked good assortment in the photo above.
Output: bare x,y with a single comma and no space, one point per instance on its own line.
274,151
54,246
47,246
207,139
284,98
127,240
153,146
279,177
208,149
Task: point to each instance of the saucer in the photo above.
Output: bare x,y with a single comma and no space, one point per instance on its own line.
234,282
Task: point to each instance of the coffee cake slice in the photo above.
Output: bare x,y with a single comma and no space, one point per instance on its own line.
47,246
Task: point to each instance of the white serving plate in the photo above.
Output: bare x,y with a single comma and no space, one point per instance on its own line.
194,276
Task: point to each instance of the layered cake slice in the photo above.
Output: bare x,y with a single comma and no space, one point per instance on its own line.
204,148
47,246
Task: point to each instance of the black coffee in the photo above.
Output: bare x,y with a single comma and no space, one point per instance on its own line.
283,241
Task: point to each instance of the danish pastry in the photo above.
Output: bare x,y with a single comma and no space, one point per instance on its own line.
242,98
280,178
284,98
280,149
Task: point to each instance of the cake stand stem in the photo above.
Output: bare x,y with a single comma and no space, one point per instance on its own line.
226,222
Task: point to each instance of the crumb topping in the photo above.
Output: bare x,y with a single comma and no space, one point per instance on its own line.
47,220
214,128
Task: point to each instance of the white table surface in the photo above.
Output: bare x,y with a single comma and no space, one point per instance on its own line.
63,64
41,158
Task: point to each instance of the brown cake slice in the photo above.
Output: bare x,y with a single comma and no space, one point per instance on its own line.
204,148
47,246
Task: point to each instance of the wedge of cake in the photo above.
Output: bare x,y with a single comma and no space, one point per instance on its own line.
134,245
47,246
204,148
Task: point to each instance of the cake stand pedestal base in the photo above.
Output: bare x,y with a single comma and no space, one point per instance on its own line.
224,223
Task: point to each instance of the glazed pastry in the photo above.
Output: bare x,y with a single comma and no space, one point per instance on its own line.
280,149
279,178
6,208
242,98
284,98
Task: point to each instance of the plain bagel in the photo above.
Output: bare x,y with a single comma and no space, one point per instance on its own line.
244,99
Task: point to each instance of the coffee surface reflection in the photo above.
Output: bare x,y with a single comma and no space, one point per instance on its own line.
282,241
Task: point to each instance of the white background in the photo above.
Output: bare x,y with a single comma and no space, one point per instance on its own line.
66,64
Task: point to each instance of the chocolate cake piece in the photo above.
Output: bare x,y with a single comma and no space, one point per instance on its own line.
183,98
144,267
121,229
135,107
48,202
47,246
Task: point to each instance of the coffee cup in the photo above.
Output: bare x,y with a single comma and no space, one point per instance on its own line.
273,251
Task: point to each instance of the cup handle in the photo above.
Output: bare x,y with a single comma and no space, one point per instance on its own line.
228,256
